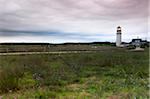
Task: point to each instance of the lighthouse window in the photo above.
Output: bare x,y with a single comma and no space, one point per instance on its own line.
137,41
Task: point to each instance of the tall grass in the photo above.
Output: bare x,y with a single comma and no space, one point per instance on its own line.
9,78
117,69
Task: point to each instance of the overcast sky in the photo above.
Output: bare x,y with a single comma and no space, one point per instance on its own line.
56,21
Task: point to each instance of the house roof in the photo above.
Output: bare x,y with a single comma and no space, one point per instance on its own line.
133,40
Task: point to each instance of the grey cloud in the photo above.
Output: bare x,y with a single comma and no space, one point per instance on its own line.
45,33
84,16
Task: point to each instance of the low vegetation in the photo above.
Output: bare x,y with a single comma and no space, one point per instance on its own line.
54,47
113,74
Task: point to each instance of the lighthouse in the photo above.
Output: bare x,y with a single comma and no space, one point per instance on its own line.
118,37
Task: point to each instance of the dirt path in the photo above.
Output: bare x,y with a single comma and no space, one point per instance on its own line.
30,53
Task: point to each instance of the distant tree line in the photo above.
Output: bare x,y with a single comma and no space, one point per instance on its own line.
70,43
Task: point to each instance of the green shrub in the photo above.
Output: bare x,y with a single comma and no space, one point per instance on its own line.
9,78
131,47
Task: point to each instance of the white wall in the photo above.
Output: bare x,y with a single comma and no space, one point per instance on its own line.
118,39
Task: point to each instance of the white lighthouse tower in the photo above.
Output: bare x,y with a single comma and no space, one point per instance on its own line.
118,37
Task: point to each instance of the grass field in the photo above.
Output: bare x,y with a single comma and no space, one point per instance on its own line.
108,74
51,48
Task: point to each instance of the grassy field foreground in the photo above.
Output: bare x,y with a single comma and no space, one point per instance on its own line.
119,74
